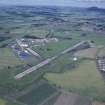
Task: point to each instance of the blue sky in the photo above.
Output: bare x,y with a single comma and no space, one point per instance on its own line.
83,3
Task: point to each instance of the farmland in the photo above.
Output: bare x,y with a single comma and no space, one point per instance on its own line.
54,48
101,52
30,37
7,58
38,95
87,53
2,102
75,80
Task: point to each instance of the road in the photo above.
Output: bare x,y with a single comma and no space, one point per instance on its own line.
47,61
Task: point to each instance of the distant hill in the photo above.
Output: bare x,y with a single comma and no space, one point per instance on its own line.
96,9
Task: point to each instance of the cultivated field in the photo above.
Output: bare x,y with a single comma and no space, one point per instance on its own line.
2,102
87,53
7,58
38,95
53,49
98,103
84,79
69,26
67,98
101,52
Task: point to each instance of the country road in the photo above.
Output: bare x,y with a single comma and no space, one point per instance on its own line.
47,61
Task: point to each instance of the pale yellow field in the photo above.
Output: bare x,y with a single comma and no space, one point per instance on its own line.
87,53
84,79
2,102
98,103
7,58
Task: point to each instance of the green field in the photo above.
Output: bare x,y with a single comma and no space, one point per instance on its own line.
101,52
52,49
87,53
38,95
7,58
66,24
96,37
2,102
85,80
61,64
5,102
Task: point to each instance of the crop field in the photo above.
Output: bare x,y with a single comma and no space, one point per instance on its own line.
101,52
69,26
39,32
5,102
56,48
84,79
2,102
3,38
7,58
98,103
53,99
30,31
68,98
61,64
87,53
98,39
38,95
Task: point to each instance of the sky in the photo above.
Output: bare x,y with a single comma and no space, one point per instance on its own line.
76,3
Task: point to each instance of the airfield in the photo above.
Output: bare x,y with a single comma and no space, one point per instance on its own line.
51,56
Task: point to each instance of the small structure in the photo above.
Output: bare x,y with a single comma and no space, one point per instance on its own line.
75,59
100,63
24,45
21,44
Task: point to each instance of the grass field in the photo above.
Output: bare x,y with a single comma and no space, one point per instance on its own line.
85,80
87,53
61,64
101,52
53,49
7,58
77,35
99,40
5,102
96,37
2,102
67,98
98,103
38,95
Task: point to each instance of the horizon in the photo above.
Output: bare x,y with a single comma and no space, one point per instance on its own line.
10,5
68,3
